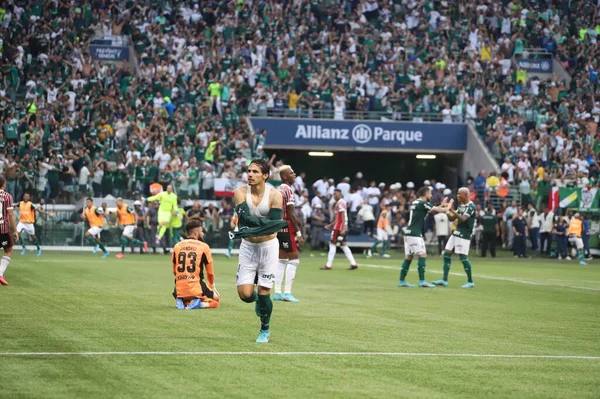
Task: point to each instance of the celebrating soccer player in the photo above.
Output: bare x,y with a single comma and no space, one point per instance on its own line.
259,211
289,238
193,270
168,204
27,212
460,241
340,228
128,219
413,239
7,222
95,217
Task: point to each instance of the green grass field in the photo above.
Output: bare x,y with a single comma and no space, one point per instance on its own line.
353,335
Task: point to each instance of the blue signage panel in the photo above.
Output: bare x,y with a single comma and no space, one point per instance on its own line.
326,133
109,53
539,65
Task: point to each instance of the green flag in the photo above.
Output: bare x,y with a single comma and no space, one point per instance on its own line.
569,197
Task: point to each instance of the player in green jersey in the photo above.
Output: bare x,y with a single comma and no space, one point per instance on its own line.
413,239
460,241
168,204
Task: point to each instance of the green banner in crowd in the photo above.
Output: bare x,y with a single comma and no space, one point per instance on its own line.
583,198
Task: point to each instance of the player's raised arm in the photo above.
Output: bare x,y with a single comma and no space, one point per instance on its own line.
444,207
156,197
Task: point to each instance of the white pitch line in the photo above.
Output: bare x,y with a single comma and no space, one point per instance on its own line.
476,276
390,354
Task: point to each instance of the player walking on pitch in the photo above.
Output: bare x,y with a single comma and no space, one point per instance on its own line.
128,219
27,212
193,270
460,241
383,224
414,244
259,211
95,217
574,235
340,228
7,222
289,237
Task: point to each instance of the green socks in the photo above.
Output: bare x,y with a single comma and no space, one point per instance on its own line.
447,264
161,231
421,268
467,266
91,240
581,256
21,242
265,308
101,247
123,244
384,248
405,267
137,242
230,246
374,246
37,242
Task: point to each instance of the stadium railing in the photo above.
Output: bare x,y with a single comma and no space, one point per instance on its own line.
352,115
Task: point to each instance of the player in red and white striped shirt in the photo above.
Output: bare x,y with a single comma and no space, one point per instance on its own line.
289,238
7,222
338,235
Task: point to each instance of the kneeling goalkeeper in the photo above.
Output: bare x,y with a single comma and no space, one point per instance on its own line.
193,270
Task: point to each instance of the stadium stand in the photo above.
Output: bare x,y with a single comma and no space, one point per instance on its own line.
77,122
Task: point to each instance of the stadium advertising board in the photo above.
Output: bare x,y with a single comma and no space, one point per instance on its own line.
543,65
109,53
359,134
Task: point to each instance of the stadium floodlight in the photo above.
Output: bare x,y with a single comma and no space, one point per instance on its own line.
425,156
320,154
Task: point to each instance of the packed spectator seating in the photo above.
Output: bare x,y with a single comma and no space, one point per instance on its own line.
74,127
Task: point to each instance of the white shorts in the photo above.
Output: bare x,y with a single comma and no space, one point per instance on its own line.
459,245
28,227
577,241
382,235
414,246
95,231
128,231
258,260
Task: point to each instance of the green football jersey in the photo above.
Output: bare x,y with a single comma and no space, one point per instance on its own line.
465,229
418,211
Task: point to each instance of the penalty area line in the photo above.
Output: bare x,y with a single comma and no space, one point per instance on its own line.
382,354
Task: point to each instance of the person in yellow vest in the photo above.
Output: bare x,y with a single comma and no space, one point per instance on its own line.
127,218
574,234
27,212
95,218
383,227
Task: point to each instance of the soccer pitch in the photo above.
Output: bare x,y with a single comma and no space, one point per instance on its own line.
76,325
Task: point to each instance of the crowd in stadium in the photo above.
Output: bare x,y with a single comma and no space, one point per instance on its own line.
73,127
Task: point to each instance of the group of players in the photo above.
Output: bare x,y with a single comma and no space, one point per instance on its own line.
266,222
270,234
